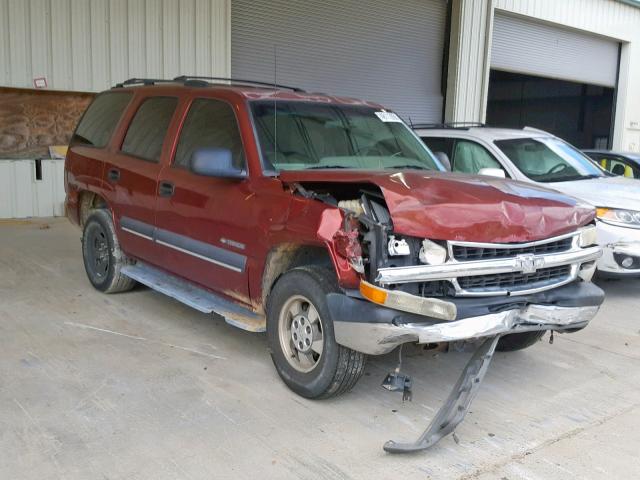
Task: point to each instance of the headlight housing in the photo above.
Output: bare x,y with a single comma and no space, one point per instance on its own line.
431,253
615,216
588,236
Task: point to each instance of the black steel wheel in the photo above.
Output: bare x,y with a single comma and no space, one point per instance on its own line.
103,259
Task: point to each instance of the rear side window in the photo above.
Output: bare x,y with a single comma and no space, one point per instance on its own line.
148,128
100,119
439,144
209,124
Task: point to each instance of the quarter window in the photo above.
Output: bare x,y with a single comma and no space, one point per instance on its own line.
100,119
148,128
209,124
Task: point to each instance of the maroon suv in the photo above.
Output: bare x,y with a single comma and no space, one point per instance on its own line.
326,222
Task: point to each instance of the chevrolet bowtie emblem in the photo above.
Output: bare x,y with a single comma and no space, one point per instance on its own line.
529,263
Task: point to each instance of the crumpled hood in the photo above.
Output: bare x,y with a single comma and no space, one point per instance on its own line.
610,192
451,206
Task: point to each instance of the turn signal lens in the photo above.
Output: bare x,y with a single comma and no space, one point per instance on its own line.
431,307
370,292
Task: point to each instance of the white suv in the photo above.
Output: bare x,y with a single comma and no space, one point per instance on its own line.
531,155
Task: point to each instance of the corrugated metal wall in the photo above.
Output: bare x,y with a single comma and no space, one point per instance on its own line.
89,45
363,49
23,195
522,45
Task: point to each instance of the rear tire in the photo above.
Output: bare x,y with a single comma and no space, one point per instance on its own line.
301,338
103,259
519,341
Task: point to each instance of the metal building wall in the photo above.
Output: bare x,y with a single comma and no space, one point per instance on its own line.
23,195
471,43
369,50
89,45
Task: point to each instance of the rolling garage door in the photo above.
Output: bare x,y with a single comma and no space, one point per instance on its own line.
525,46
388,52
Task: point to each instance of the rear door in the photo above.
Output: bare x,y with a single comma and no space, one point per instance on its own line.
204,222
132,174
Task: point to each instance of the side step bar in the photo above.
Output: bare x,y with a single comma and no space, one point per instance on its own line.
195,296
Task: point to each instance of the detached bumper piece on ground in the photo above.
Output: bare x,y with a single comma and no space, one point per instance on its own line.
457,405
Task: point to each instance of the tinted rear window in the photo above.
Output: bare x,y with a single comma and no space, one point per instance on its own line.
100,119
148,128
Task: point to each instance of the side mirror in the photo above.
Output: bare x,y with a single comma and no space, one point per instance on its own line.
215,162
492,172
444,160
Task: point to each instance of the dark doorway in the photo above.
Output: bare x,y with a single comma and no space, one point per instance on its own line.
579,113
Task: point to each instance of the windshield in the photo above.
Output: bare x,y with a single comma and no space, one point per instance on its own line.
306,135
548,159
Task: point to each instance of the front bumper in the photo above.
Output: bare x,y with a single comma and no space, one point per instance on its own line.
375,330
618,243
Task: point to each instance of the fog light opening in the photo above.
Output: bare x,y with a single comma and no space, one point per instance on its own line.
627,262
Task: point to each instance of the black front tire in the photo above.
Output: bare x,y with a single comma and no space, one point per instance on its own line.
519,341
338,368
103,259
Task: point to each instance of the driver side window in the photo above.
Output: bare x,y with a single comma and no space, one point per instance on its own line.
470,157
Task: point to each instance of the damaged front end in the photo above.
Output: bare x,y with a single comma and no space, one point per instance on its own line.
425,289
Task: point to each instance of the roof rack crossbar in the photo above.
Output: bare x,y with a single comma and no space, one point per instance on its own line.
184,78
143,81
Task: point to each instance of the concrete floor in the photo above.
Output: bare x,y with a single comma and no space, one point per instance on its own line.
137,386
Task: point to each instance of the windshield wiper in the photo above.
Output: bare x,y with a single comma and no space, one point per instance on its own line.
414,167
319,167
571,178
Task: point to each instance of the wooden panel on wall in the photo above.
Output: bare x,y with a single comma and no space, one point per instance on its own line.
32,120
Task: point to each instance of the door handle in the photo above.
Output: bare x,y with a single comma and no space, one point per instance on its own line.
113,174
166,189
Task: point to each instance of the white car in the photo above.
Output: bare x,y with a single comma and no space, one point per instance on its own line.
532,155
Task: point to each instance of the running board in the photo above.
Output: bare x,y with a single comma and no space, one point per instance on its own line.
195,296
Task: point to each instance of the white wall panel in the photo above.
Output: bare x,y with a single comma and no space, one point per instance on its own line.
90,45
23,196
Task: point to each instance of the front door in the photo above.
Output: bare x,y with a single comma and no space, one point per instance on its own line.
203,222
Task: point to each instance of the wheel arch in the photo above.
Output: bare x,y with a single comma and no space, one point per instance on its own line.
287,256
87,201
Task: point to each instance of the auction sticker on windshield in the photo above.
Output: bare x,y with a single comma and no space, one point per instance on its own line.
388,117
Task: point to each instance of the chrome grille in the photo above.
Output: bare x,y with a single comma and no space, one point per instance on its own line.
463,253
514,281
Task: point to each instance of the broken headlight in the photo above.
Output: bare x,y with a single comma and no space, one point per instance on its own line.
431,253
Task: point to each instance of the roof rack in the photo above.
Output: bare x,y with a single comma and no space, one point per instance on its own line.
197,81
186,78
141,81
459,125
